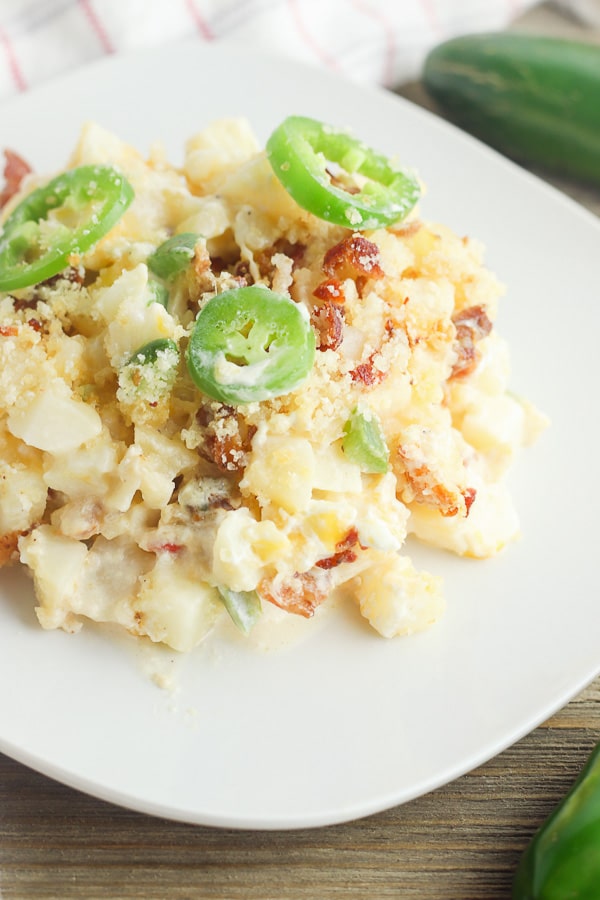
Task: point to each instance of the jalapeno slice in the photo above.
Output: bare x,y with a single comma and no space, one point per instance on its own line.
174,255
364,442
367,190
151,371
244,607
64,217
250,344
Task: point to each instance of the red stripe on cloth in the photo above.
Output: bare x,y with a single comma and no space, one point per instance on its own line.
97,26
431,15
201,24
387,74
308,39
13,64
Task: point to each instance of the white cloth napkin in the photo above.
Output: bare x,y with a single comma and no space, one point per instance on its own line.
371,41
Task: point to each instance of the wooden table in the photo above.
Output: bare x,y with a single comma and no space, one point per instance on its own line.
461,842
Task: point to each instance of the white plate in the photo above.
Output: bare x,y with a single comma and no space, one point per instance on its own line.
345,723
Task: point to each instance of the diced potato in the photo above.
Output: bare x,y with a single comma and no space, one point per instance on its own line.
396,599
57,564
243,548
491,524
133,320
220,147
53,420
281,471
22,497
88,470
174,607
334,472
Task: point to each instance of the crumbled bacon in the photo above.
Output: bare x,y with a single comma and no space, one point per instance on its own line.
471,325
328,322
424,489
469,495
9,330
354,257
422,486
331,289
295,252
345,551
15,170
300,594
167,547
367,372
228,439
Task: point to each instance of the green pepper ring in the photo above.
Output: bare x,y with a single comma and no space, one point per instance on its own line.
103,187
250,344
299,151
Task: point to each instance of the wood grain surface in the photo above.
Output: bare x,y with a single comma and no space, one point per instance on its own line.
461,842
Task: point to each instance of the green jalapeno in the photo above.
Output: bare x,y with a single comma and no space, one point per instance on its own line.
244,607
364,442
64,217
158,292
173,256
151,371
563,857
367,190
250,344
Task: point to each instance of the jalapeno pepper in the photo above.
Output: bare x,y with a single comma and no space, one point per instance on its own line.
337,177
173,256
563,858
244,607
152,369
64,217
364,442
250,344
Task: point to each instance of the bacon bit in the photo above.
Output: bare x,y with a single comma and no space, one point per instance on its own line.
328,322
366,372
15,170
424,489
227,450
167,547
355,257
295,252
35,324
72,274
300,594
471,324
242,273
469,495
332,289
9,330
345,552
